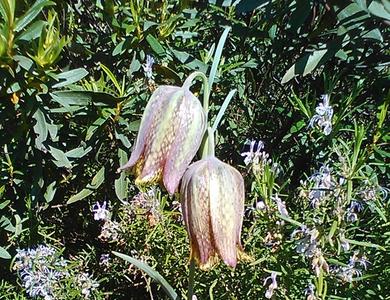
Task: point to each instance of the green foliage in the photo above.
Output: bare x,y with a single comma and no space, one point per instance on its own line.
73,86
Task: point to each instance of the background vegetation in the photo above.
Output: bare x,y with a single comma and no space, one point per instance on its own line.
73,85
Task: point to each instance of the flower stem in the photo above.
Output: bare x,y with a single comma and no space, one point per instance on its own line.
208,144
206,148
191,280
206,90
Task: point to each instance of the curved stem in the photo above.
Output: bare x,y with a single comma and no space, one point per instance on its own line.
191,280
204,148
206,90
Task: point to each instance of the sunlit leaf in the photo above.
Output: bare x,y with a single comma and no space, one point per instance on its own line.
50,192
40,128
4,253
121,184
304,65
155,45
96,182
30,15
70,77
152,273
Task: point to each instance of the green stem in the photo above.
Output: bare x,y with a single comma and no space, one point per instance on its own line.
191,280
204,148
208,144
211,142
206,90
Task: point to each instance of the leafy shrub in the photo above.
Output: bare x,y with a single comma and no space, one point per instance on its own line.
74,80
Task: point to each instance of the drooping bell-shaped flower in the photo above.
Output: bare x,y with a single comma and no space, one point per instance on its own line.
169,136
212,197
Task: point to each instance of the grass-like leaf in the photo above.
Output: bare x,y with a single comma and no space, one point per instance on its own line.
151,272
217,56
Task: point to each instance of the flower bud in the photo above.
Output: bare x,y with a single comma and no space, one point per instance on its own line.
212,195
170,134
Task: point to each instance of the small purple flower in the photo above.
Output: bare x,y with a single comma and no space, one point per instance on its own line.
351,217
309,292
281,205
148,67
323,185
350,271
307,244
323,116
353,209
272,286
356,206
260,205
255,155
40,270
104,259
343,242
100,211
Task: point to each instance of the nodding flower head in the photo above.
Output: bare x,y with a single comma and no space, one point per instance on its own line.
212,195
170,134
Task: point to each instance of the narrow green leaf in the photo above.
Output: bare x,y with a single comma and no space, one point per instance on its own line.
79,196
98,179
373,34
134,126
378,9
96,182
222,110
68,98
121,184
250,5
3,11
332,231
84,98
155,45
60,159
95,126
18,225
181,56
4,203
50,192
6,224
304,65
125,141
40,129
4,253
70,77
152,273
32,13
23,61
112,78
288,219
352,13
365,244
119,49
78,152
377,208
32,32
135,65
217,57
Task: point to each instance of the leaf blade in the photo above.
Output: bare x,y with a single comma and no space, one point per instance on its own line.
152,273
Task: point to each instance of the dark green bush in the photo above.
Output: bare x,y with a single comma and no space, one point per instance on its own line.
72,91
